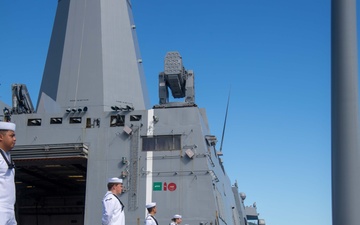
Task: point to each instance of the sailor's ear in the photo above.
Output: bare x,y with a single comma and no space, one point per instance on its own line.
3,133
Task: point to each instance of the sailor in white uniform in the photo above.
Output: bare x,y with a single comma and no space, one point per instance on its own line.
176,220
150,218
113,208
7,174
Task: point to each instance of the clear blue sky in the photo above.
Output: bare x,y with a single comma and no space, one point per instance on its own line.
275,56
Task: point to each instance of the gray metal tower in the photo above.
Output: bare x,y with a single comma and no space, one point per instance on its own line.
93,58
344,113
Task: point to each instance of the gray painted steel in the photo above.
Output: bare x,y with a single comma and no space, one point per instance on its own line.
93,122
344,113
93,58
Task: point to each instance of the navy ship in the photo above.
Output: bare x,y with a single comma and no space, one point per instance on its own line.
93,120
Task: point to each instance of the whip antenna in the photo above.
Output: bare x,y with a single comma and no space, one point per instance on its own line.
223,132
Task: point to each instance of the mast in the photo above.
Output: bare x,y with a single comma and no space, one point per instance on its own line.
344,113
93,58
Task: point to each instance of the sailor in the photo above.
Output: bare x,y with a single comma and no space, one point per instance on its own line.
176,219
113,208
7,174
150,218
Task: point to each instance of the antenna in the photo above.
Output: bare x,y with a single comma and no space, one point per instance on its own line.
223,133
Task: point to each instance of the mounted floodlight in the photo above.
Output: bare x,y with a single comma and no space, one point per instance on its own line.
85,109
79,110
73,110
68,110
129,108
115,108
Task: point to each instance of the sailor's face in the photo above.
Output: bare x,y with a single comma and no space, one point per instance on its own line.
7,140
118,188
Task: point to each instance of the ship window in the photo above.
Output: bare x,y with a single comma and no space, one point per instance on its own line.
34,122
75,119
56,120
135,117
161,143
117,120
88,122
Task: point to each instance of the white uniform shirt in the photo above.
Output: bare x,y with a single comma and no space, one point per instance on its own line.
7,193
113,211
149,220
7,184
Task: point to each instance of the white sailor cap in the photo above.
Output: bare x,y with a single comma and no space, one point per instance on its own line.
177,216
150,205
7,126
115,180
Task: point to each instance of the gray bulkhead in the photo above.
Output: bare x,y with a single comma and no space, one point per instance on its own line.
200,188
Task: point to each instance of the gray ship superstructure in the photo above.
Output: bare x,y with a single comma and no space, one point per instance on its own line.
93,121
